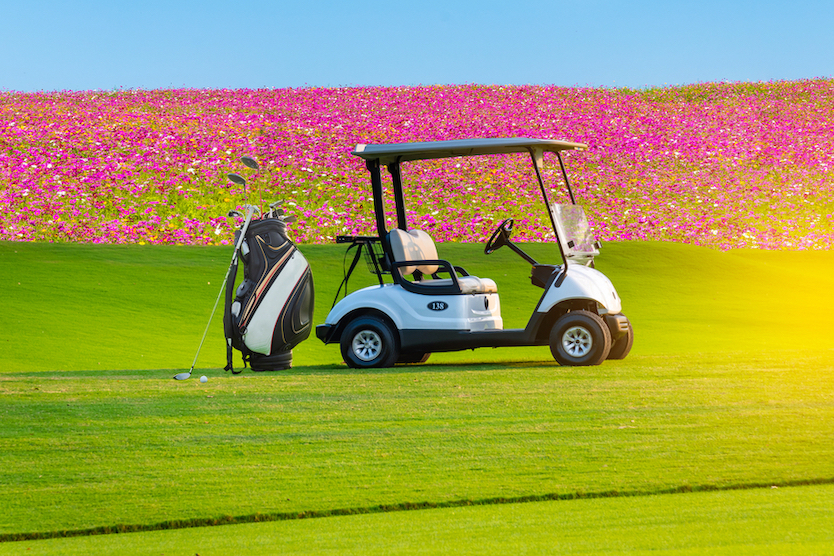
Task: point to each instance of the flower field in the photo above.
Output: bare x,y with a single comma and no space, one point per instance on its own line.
724,165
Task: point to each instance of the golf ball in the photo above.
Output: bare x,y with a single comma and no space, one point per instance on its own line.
204,378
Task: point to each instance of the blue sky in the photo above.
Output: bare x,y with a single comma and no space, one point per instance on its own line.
83,45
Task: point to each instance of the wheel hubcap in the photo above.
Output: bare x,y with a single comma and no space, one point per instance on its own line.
577,341
367,345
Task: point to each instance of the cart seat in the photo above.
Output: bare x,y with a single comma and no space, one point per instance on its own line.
417,246
468,284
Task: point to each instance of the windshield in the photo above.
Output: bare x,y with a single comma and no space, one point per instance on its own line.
574,232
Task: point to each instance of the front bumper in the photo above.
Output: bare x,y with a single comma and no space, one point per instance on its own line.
618,325
324,332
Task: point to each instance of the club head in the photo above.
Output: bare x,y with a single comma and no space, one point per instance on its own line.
183,376
249,162
238,179
234,213
289,219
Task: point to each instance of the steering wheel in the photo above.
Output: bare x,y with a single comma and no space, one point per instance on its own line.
500,237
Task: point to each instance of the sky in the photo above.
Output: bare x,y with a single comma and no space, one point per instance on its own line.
108,45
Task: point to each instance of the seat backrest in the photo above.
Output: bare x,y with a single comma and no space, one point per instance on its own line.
413,245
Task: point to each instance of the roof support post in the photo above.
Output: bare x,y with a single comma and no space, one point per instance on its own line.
565,175
538,162
376,188
399,200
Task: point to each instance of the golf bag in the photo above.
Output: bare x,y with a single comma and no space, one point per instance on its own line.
272,309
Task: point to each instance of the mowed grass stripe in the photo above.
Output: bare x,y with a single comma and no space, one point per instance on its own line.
779,521
389,508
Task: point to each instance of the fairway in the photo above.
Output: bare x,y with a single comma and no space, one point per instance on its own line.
795,521
730,386
113,307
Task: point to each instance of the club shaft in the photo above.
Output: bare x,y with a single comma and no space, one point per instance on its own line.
211,316
250,210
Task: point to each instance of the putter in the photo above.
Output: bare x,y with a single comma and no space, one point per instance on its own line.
250,210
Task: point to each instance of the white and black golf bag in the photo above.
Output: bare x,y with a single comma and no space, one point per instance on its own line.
272,309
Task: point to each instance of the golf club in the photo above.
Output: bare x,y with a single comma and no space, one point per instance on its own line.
274,210
237,179
250,211
249,162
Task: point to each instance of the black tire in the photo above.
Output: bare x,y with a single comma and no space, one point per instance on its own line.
419,357
368,342
621,347
580,338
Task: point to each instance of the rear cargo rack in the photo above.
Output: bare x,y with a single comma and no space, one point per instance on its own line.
374,258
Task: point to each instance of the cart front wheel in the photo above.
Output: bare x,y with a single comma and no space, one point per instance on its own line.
580,338
369,342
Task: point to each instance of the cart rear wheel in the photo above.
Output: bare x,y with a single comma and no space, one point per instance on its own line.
369,342
580,338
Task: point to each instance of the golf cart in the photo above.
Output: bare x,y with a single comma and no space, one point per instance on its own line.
433,306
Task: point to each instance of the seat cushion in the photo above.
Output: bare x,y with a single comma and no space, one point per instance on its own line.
473,284
468,284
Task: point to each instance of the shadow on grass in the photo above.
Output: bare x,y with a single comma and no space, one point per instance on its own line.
306,370
718,359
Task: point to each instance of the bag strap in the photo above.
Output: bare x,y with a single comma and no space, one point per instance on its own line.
227,317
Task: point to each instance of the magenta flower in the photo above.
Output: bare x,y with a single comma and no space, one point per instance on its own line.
724,165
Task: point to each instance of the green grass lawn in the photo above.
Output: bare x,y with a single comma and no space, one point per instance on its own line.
99,307
730,384
784,522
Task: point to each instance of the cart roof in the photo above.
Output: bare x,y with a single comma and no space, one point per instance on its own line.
399,152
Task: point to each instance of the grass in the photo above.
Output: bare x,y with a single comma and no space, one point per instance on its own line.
99,307
86,451
729,385
766,521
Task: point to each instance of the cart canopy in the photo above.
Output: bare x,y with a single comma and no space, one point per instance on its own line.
400,152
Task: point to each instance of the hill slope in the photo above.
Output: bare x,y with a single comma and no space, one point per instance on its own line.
88,307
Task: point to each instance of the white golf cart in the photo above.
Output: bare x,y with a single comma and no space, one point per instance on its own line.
433,306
